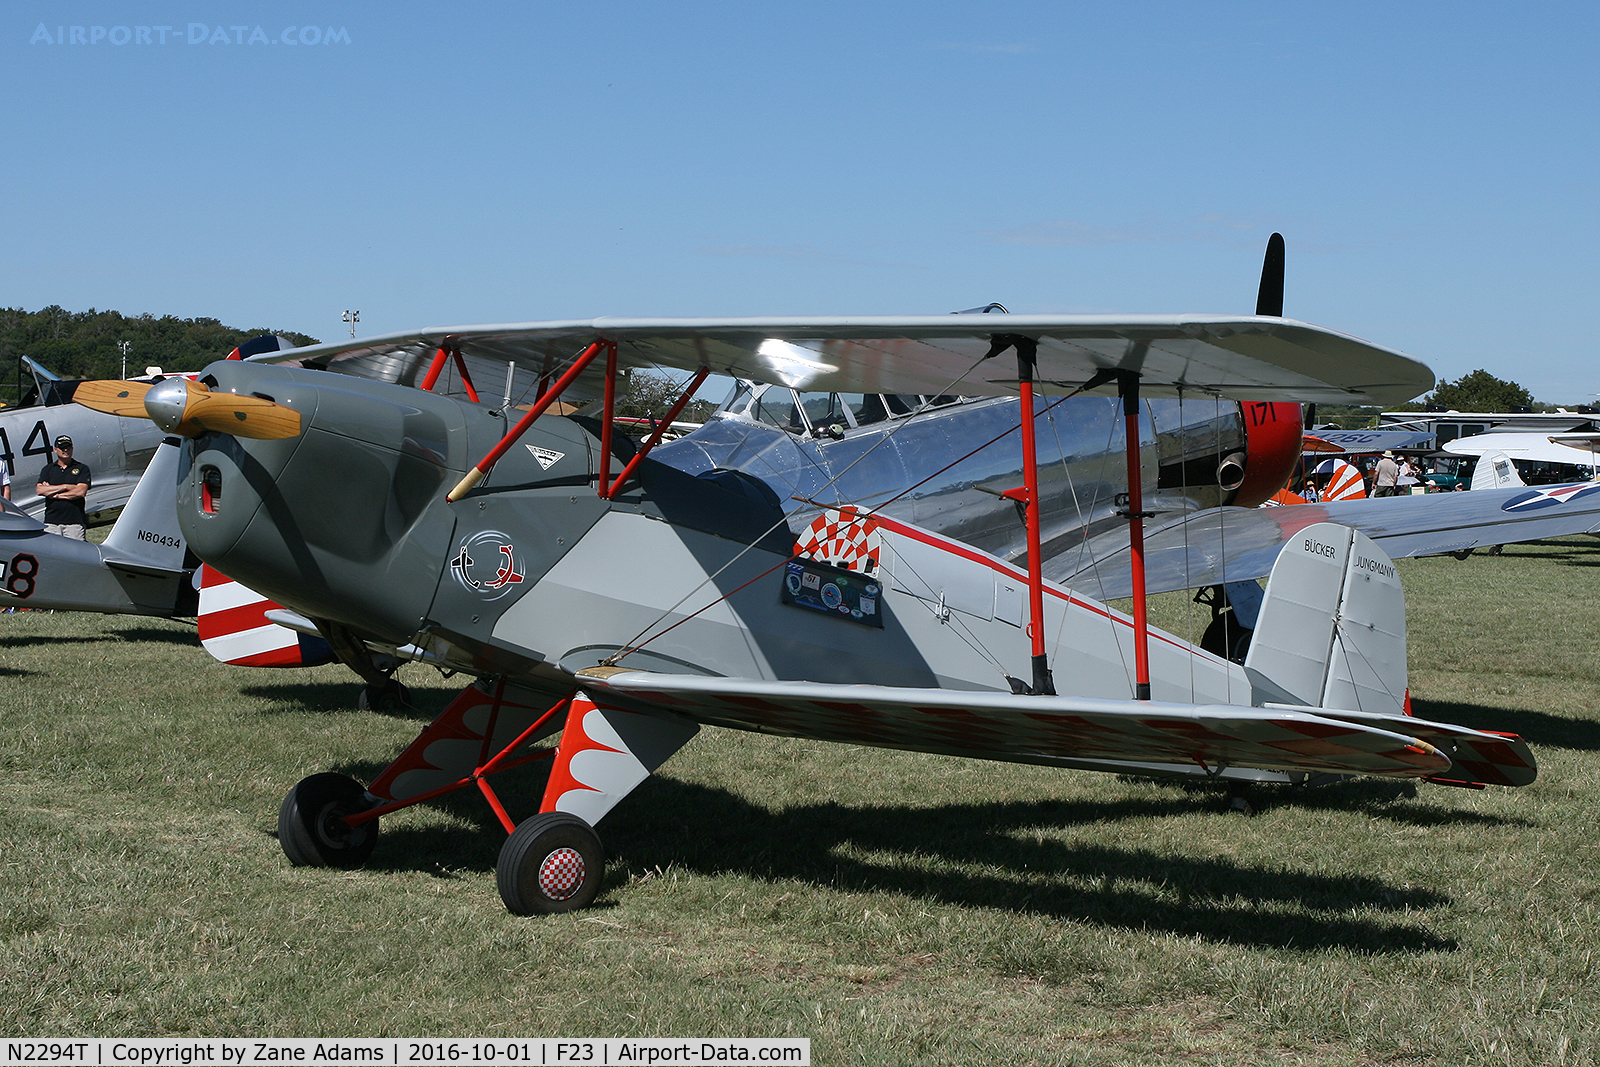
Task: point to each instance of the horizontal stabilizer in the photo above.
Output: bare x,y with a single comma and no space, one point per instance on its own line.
1478,757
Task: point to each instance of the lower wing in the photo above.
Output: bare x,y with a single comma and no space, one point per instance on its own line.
1035,729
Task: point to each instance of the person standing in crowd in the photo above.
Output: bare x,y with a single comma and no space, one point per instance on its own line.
1388,475
64,484
5,482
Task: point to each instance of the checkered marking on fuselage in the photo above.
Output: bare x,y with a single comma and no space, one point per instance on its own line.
845,537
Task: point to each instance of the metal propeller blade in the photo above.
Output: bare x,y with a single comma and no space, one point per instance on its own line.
1269,299
188,409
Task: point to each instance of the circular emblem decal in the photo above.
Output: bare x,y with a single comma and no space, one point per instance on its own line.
487,564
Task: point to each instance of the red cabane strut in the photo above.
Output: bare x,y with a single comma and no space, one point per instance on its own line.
547,396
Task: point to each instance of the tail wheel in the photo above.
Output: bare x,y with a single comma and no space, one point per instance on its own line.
551,863
389,697
311,827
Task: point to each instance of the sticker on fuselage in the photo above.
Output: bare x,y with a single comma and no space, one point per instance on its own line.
487,564
846,537
835,592
546,457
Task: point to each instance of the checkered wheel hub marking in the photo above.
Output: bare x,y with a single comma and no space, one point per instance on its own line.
561,873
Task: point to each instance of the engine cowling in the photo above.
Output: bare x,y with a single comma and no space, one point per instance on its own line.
1273,439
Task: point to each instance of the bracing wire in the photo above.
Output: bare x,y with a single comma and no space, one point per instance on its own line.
634,643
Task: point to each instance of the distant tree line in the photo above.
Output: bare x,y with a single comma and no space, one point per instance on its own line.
1476,391
83,344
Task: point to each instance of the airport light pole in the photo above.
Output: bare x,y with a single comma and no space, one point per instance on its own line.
124,345
352,317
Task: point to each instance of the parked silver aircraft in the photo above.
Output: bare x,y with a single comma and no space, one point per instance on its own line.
117,450
140,569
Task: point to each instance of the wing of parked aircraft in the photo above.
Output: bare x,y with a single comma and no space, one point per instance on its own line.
1239,544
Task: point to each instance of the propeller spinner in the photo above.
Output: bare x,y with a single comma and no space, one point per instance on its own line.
188,409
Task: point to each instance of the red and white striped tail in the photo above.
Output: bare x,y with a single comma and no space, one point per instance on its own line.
234,628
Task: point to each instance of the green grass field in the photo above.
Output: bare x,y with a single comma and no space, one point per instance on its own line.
896,908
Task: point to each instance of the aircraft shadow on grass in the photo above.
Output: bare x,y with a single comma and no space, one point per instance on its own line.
1535,727
1567,552
298,698
155,635
968,855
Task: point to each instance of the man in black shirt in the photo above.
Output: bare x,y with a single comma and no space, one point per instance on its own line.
64,483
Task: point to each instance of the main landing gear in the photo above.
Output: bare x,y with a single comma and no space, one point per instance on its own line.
551,863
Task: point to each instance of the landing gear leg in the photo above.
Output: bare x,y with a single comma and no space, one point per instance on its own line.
1239,799
382,692
552,862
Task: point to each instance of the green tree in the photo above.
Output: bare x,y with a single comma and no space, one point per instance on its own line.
651,394
1480,391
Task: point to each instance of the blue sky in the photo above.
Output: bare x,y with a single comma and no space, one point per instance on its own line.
1431,166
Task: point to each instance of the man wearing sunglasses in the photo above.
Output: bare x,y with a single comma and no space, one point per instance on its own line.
64,484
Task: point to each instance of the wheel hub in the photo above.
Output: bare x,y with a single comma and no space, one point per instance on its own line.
561,873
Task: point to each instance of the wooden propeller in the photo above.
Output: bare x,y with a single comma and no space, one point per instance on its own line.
188,409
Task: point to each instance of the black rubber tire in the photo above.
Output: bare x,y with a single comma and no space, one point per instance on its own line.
391,697
309,826
551,863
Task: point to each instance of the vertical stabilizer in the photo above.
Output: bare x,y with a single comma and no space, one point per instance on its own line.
1332,629
1495,471
146,536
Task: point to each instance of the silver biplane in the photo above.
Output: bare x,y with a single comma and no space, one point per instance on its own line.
624,602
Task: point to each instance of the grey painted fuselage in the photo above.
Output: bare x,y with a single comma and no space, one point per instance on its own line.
919,469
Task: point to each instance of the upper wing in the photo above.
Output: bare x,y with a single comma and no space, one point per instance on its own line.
1030,729
1242,357
1542,447
1239,544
